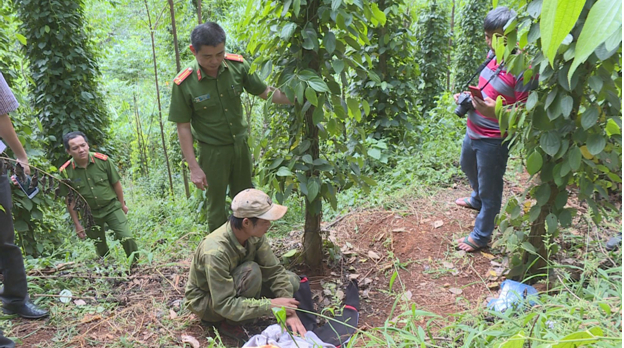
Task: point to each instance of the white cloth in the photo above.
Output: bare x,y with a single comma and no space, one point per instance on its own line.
275,336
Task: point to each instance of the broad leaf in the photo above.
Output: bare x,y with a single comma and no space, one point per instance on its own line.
550,142
574,158
604,18
589,117
287,31
534,162
595,144
557,20
329,41
311,96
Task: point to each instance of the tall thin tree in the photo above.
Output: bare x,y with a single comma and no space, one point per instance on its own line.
160,122
178,68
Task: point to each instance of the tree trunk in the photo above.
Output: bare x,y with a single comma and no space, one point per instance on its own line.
178,66
199,8
160,122
535,265
312,241
448,58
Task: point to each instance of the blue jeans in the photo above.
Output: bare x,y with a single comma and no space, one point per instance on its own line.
484,162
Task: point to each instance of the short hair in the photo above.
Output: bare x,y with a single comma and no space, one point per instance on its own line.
71,135
237,223
498,18
207,34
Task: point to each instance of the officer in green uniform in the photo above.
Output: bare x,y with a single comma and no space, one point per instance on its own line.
234,274
94,177
206,105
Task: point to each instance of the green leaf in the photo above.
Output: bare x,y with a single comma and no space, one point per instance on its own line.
307,158
374,153
283,171
566,105
529,248
354,109
313,189
551,223
329,41
595,144
311,96
516,341
338,66
612,128
604,18
542,194
605,307
378,14
310,38
287,31
595,82
290,253
373,76
534,162
531,101
366,107
557,20
318,84
318,115
565,218
335,5
579,338
574,158
21,38
550,142
589,117
297,7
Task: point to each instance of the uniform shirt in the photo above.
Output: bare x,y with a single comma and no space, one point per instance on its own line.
213,105
8,103
210,275
511,88
94,183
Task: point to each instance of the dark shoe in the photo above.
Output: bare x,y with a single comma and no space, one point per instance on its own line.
28,311
614,242
234,332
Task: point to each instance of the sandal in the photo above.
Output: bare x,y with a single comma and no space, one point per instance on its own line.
465,202
474,247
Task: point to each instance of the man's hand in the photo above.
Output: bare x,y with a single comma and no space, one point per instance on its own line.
485,107
289,303
198,177
24,163
125,209
80,231
456,97
295,325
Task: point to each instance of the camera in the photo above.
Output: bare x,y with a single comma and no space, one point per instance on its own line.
464,104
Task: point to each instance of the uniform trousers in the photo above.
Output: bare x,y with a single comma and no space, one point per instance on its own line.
117,221
224,165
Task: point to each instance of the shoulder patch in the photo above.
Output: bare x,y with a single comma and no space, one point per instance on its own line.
64,166
101,156
234,57
182,76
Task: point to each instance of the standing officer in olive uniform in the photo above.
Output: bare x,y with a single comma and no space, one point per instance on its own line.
97,180
206,105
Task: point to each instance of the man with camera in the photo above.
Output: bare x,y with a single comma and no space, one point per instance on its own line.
14,293
484,154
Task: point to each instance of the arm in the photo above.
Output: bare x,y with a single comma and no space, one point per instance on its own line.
198,177
278,97
119,192
273,273
74,216
7,132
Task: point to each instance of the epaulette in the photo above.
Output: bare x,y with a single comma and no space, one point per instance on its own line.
64,166
182,76
101,156
234,57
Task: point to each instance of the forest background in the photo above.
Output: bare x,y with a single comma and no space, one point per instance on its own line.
377,125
